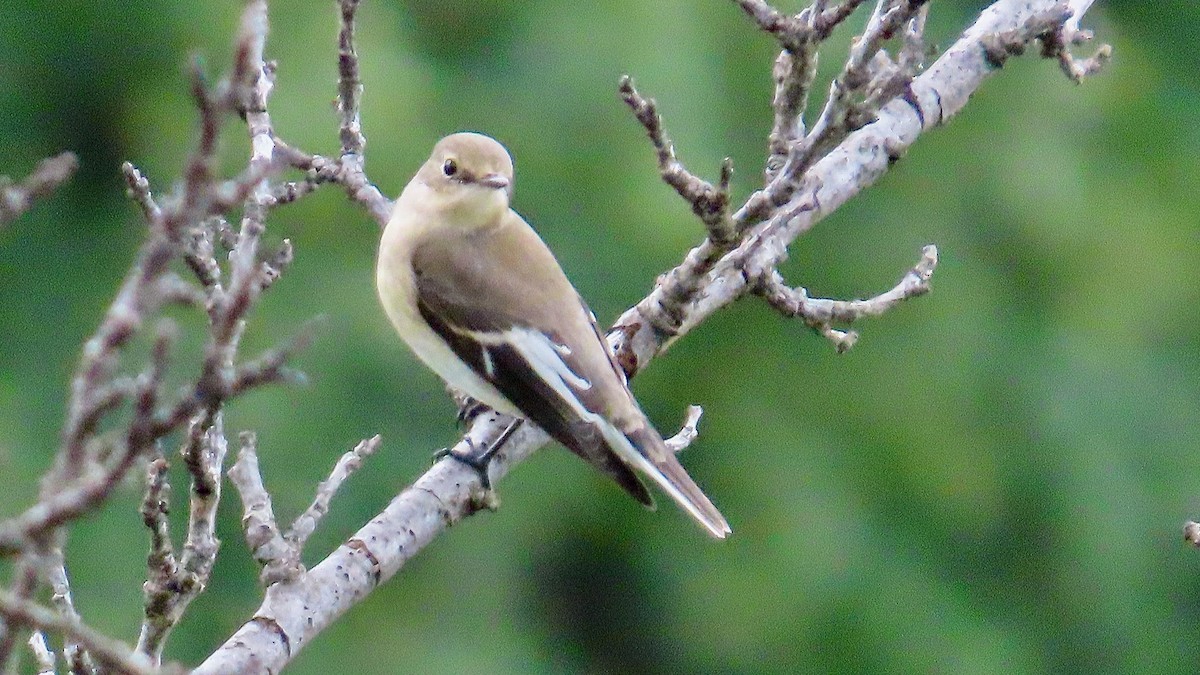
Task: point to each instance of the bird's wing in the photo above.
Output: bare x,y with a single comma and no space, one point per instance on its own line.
513,317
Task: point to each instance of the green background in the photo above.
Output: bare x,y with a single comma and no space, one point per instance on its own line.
993,480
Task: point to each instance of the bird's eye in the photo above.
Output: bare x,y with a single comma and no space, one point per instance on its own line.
450,167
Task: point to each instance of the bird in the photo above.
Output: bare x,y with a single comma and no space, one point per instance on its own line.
481,300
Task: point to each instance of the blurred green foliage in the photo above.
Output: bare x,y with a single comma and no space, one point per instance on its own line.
993,480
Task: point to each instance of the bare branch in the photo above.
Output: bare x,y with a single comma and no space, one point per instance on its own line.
1043,24
189,224
350,462
710,204
688,432
17,197
112,654
22,585
795,67
820,314
163,575
791,32
347,170
294,612
793,73
840,115
79,494
828,19
278,552
868,75
138,190
1058,45
42,656
912,55
272,366
1191,533
74,653
280,561
172,583
277,264
350,87
17,533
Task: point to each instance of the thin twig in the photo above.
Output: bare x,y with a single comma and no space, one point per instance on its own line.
347,170
1058,45
792,32
42,656
17,197
821,314
709,203
162,582
278,552
840,115
75,654
912,54
22,585
350,87
688,432
350,462
280,561
108,652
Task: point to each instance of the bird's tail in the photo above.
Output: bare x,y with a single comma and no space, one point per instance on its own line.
643,448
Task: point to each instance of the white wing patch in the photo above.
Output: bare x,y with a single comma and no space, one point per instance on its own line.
489,367
543,356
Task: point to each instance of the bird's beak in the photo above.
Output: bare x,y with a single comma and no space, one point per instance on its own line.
494,181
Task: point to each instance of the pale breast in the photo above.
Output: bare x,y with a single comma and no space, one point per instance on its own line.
397,293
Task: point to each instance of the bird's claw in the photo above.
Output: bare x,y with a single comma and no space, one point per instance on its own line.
473,458
479,460
486,497
469,410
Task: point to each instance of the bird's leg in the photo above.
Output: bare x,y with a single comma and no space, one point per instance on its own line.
478,458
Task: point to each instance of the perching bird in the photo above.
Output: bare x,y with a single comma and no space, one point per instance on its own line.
481,300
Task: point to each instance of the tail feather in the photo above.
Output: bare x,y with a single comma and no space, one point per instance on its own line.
585,440
645,450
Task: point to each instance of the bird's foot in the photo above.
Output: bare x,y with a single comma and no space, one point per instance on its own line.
468,410
486,497
479,459
473,458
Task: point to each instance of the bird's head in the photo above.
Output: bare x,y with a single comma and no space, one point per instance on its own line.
471,175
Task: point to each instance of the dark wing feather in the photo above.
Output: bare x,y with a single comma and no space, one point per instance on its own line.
507,370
